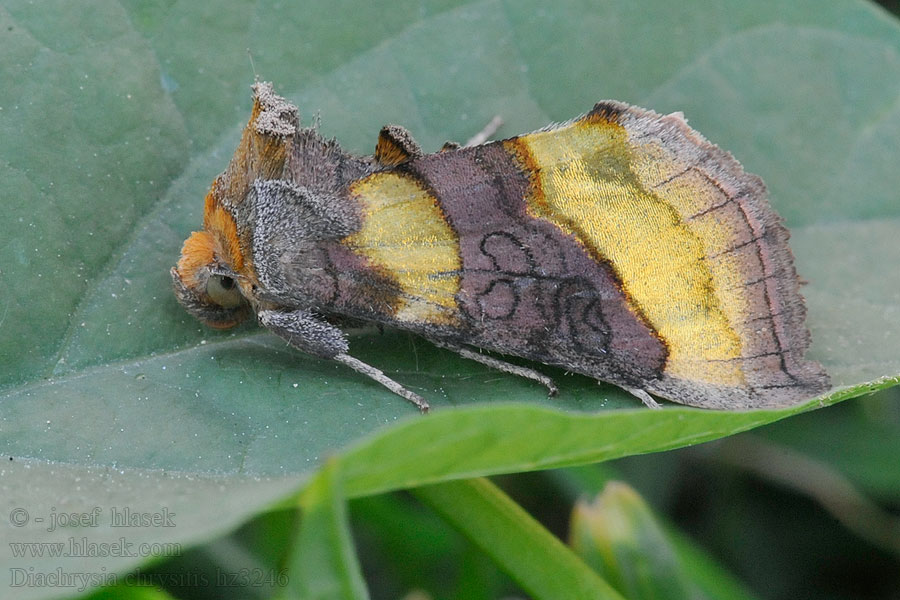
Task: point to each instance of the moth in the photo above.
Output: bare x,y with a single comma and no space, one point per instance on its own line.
621,245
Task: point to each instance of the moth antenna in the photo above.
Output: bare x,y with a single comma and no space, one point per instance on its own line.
486,132
252,66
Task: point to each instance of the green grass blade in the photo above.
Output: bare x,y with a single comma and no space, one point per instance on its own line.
323,564
531,555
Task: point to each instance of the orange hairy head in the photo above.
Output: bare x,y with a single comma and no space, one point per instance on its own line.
206,283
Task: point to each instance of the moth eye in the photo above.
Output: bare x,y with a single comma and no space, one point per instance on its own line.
223,291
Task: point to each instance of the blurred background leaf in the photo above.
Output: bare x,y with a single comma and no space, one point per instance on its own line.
617,534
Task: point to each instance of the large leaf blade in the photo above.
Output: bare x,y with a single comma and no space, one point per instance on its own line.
102,369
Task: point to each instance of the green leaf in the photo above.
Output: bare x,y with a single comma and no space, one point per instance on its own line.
117,115
538,561
487,440
323,561
197,506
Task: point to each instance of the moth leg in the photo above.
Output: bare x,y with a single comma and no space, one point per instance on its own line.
486,133
361,367
648,401
306,331
500,365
